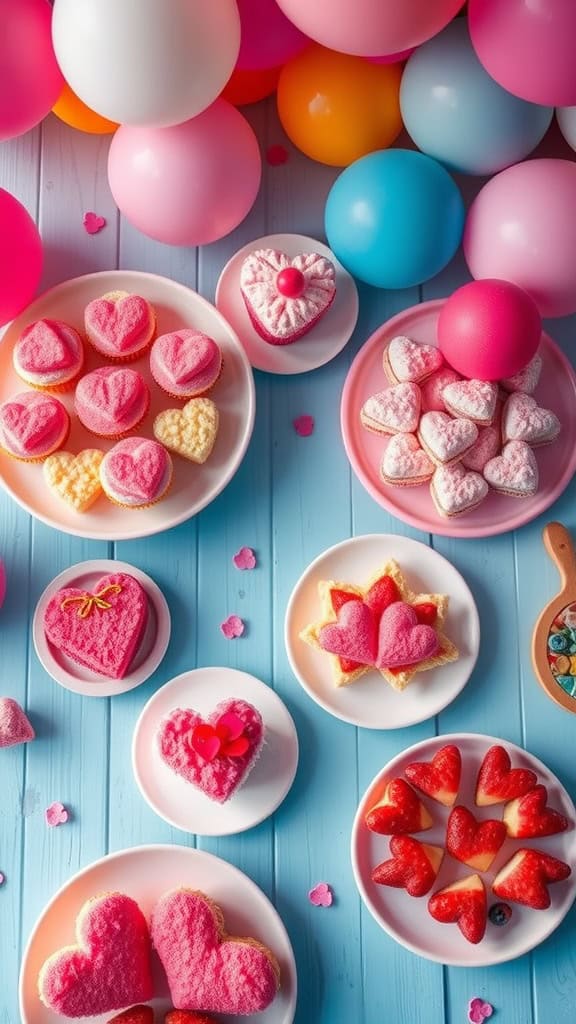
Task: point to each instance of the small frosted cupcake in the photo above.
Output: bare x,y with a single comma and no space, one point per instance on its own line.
120,326
186,363
49,355
136,472
32,426
111,400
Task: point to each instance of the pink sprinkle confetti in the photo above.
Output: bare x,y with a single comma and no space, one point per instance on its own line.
321,895
479,1010
56,814
276,155
245,559
304,425
93,223
2,878
232,627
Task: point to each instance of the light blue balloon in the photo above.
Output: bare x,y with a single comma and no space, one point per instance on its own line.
394,218
456,113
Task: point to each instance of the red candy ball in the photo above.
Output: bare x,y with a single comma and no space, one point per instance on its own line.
290,282
489,329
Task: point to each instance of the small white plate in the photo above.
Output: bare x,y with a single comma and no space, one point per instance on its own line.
152,647
145,873
371,702
326,339
182,804
407,919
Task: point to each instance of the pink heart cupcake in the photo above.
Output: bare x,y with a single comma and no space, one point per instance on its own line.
120,326
112,400
185,363
136,472
32,426
49,355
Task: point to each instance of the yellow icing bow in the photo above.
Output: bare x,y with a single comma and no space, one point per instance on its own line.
90,601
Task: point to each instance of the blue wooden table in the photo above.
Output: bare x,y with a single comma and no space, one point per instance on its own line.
349,970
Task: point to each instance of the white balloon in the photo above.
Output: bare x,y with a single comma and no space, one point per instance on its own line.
146,62
566,117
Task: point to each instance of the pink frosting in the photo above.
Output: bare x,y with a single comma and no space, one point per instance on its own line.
515,471
446,439
401,639
185,363
48,352
433,387
395,409
32,425
409,361
525,380
119,326
136,471
485,448
281,319
404,460
456,490
354,636
474,399
524,420
111,400
14,725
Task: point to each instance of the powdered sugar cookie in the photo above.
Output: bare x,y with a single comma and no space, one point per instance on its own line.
405,463
525,380
285,297
406,360
396,409
524,420
514,472
432,388
456,490
446,440
485,448
473,399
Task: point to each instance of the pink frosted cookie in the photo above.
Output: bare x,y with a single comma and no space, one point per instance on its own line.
101,630
433,387
120,326
108,968
473,399
136,472
206,968
406,360
186,363
485,448
514,472
14,725
524,420
217,753
446,440
286,297
455,490
111,400
525,380
49,355
395,410
405,463
32,426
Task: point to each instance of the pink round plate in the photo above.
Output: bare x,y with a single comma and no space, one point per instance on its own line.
413,505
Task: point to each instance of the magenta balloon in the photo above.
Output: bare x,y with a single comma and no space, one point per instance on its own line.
528,47
30,79
189,184
20,257
267,38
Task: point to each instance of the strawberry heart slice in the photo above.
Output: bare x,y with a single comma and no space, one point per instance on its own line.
402,640
413,866
525,878
498,782
439,778
353,636
464,904
381,594
426,612
472,842
528,816
340,597
398,811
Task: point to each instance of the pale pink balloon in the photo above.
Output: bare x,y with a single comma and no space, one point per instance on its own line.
267,38
189,184
20,257
30,79
392,58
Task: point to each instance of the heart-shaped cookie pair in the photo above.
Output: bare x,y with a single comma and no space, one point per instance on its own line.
446,440
397,409
454,490
524,420
397,639
190,432
514,472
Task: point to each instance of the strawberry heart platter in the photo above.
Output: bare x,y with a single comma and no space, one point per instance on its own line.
325,338
173,786
491,858
193,487
145,873
485,515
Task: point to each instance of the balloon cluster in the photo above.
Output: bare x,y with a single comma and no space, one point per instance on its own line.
475,90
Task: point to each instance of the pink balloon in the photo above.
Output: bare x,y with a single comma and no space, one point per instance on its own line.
392,58
522,228
370,28
268,39
20,257
30,79
528,48
189,184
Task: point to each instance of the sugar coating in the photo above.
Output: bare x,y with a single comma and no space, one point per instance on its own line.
433,387
525,380
48,352
405,460
455,490
120,325
136,472
395,409
485,448
524,420
111,400
191,431
185,363
515,471
474,399
446,439
32,425
407,360
278,318
75,478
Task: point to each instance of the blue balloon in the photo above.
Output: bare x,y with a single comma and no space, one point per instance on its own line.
394,218
456,113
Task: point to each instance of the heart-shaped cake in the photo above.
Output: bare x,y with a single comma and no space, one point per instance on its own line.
32,426
14,724
185,363
101,629
190,432
48,354
111,400
206,968
395,410
136,472
215,753
75,478
119,325
286,297
108,968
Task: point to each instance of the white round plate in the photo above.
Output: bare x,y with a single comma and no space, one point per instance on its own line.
180,803
193,487
145,873
152,648
326,339
371,702
407,919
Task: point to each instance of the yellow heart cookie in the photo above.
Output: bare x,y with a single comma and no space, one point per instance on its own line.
191,431
75,478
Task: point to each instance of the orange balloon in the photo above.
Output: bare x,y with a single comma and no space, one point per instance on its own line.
246,87
70,109
337,108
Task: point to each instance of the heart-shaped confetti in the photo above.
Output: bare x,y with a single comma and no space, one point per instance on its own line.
56,814
321,895
479,1010
276,155
304,426
232,627
2,878
93,223
245,559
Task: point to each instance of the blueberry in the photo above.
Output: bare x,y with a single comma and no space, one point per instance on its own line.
500,914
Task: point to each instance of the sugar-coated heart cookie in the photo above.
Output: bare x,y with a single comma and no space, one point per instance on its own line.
215,753
525,380
119,325
75,478
402,640
446,440
405,463
14,724
206,968
185,363
48,354
108,968
524,420
473,399
286,297
396,409
354,635
514,472
406,360
136,472
485,448
454,490
191,431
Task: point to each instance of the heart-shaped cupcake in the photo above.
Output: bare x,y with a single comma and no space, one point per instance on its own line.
524,420
397,409
14,724
454,490
206,968
100,629
136,472
446,440
514,472
111,400
473,399
48,353
402,640
75,478
32,425
286,297
185,363
190,432
406,360
405,463
119,325
215,753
